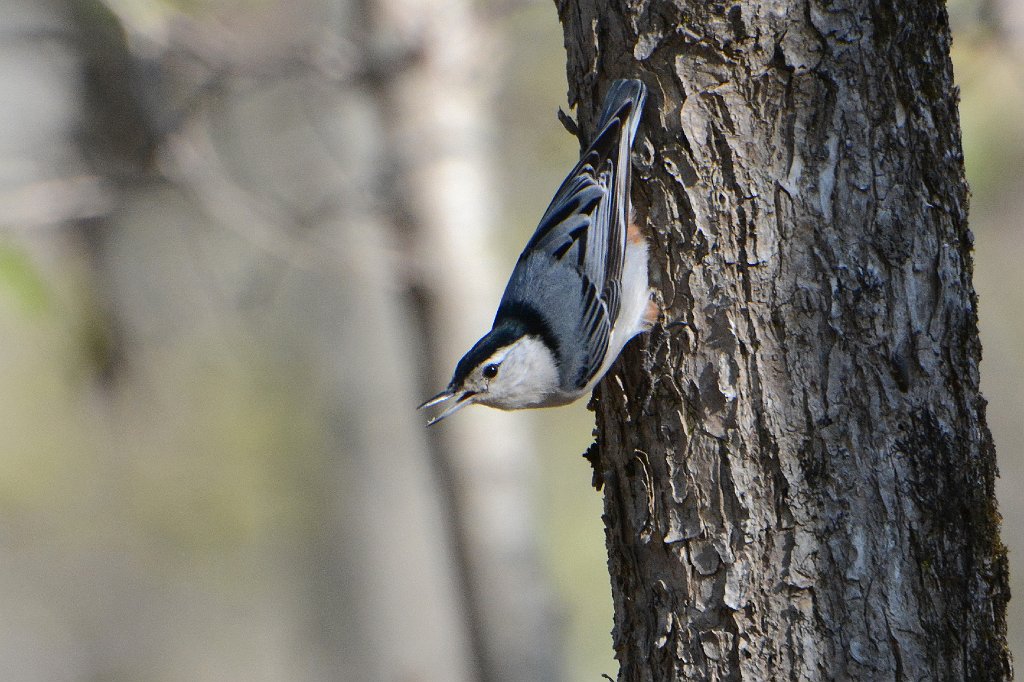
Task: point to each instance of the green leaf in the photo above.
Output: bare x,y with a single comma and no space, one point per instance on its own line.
20,280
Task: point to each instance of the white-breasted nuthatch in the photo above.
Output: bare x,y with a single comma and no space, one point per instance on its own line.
579,291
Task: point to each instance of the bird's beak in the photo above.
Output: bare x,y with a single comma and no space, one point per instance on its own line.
439,398
462,398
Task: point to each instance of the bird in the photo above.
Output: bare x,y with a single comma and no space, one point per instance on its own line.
579,291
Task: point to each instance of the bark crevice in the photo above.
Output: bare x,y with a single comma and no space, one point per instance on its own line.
814,498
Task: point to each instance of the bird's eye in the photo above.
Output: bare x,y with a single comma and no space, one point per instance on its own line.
490,371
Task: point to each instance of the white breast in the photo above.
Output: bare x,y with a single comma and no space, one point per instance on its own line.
636,295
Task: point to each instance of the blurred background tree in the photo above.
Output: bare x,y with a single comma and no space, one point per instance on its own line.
228,273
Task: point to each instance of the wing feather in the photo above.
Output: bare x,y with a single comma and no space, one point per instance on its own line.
581,238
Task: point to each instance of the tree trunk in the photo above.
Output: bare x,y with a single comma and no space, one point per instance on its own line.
799,482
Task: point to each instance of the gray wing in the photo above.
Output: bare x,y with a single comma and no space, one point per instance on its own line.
570,272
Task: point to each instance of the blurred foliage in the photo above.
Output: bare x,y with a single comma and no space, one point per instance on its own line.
193,475
991,84
21,283
990,71
536,151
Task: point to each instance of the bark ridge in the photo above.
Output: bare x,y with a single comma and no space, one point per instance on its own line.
799,484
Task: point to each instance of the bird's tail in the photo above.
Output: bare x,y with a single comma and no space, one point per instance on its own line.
624,101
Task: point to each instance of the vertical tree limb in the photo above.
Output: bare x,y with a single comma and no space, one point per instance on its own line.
799,485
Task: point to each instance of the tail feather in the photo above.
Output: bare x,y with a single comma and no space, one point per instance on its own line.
623,93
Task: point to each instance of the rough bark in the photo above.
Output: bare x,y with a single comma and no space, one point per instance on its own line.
799,483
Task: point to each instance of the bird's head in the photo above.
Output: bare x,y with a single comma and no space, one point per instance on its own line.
505,369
